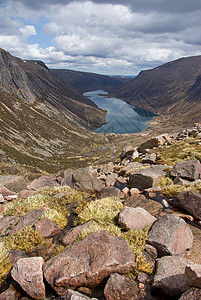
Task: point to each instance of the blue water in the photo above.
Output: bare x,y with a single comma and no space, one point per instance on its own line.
121,116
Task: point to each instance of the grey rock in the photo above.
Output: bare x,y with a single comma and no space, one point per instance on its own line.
127,151
170,235
191,294
7,222
43,181
131,166
88,262
147,177
110,191
46,227
71,236
169,279
111,178
150,144
73,295
189,201
15,183
120,287
149,159
135,218
190,170
84,179
27,220
9,294
28,273
193,275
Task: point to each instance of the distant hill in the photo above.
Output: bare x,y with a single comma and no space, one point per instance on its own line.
172,89
84,81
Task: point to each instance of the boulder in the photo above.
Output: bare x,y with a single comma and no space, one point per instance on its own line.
7,222
111,178
120,287
135,218
27,220
67,180
193,275
46,227
170,235
25,194
191,294
73,295
169,278
43,181
84,179
14,183
127,151
131,166
189,201
88,262
9,294
150,144
71,236
29,275
110,191
190,170
149,159
108,168
147,177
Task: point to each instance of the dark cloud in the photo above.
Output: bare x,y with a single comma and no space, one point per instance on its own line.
173,6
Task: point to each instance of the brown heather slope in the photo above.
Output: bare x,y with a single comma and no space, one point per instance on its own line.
171,90
84,81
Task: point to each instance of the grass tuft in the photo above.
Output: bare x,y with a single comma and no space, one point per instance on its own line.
55,216
4,263
26,240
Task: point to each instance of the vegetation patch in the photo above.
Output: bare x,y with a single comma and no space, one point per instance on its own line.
103,213
55,216
26,240
4,263
188,149
173,189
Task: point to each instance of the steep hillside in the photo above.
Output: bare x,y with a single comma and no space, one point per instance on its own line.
83,81
42,121
168,90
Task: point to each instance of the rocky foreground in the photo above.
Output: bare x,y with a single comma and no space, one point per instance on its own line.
126,230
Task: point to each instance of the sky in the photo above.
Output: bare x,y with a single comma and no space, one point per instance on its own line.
114,37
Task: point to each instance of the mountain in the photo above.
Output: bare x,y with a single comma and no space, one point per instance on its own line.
172,89
84,81
43,123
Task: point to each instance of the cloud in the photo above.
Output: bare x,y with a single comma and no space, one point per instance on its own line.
110,37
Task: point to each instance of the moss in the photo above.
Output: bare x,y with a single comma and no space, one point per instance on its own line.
103,214
165,182
102,211
182,150
55,216
4,263
26,240
173,189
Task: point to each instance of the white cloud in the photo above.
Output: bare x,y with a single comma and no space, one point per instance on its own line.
115,37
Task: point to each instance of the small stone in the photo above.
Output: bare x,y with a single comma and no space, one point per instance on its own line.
193,275
46,227
11,197
191,294
142,277
1,198
74,295
134,191
141,285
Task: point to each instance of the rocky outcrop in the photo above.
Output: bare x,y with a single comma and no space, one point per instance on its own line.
135,218
189,201
28,273
88,262
170,235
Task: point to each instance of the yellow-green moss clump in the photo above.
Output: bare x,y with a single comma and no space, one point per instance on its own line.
173,189
4,263
26,240
56,206
103,213
179,151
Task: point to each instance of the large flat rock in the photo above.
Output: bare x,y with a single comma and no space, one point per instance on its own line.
88,262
